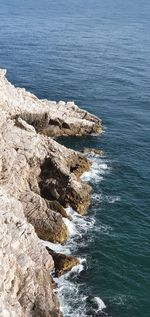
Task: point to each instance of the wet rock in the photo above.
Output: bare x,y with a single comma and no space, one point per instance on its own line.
63,263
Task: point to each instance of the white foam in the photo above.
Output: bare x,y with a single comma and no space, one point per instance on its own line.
98,169
67,287
74,302
121,299
112,199
99,197
104,229
77,269
72,230
81,224
100,304
68,292
59,248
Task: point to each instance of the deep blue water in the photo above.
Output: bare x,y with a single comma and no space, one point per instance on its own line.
97,53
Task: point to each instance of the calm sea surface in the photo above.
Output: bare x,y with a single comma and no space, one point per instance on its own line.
96,53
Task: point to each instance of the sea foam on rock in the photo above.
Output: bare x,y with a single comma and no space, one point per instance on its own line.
34,172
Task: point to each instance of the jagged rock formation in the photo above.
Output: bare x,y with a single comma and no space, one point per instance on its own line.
38,178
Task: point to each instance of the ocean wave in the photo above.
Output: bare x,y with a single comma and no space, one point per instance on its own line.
104,229
78,227
57,247
68,286
72,300
82,224
99,197
69,292
100,304
100,167
112,199
120,299
72,228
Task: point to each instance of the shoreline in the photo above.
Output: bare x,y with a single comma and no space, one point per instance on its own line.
39,178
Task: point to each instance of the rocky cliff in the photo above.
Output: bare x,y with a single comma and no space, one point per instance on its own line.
38,179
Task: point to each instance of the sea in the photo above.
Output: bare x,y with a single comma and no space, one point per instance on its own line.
96,53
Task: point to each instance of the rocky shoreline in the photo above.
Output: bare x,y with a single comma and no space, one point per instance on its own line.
39,178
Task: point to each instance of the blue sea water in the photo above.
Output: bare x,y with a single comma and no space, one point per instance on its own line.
96,53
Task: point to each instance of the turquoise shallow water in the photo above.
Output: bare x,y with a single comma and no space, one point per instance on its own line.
97,53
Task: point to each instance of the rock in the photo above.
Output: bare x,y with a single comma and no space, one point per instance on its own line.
80,165
38,178
63,263
47,117
48,224
22,153
49,169
63,176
